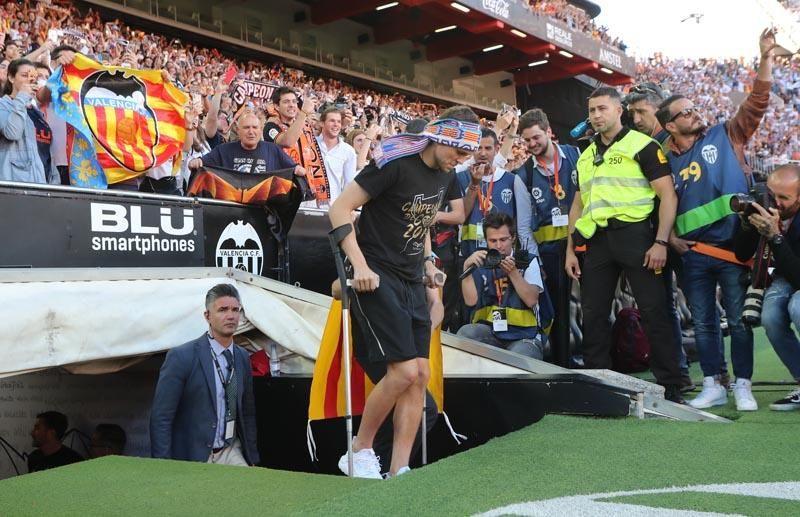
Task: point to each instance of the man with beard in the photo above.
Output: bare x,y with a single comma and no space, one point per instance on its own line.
708,168
550,178
400,194
781,227
487,188
47,433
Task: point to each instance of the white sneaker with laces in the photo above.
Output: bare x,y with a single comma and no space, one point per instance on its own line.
365,464
743,393
713,394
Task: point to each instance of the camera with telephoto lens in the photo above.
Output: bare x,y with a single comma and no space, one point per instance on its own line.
743,203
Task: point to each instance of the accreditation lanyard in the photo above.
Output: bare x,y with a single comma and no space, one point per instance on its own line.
486,202
219,371
555,186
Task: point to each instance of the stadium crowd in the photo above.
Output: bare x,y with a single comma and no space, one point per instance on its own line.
347,124
576,19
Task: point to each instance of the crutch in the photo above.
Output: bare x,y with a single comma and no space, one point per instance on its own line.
335,237
439,279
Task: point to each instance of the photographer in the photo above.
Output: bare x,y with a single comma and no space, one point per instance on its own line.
708,167
504,297
781,228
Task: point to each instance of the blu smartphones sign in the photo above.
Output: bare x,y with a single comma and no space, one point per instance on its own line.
142,229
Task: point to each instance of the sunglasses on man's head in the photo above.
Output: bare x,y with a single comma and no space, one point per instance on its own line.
684,113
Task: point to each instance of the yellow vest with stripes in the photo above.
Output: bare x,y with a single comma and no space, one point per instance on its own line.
615,189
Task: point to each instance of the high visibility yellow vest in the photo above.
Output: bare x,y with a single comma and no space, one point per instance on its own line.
616,188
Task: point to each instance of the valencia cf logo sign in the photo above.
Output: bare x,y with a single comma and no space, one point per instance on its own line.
116,111
240,247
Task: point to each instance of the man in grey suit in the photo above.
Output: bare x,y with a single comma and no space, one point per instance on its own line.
203,408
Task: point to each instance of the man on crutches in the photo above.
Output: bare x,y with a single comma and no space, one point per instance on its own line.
400,194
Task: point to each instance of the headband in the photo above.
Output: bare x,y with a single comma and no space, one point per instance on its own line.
450,132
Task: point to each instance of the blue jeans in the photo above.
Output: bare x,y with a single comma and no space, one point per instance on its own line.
484,334
700,276
781,309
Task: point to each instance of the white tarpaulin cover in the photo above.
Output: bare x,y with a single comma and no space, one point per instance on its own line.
50,324
87,323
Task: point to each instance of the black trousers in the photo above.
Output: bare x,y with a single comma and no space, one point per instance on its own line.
558,285
610,252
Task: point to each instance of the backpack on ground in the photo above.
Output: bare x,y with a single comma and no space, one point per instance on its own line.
630,349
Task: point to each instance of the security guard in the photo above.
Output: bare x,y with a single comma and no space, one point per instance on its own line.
619,176
551,179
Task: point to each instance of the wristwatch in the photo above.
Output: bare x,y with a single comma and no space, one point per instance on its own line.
430,258
777,239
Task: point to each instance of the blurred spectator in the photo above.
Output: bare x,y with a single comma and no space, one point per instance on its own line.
47,433
107,440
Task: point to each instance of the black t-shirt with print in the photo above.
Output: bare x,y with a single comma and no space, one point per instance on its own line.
404,198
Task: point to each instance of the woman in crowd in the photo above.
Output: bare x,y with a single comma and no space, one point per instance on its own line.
19,154
362,142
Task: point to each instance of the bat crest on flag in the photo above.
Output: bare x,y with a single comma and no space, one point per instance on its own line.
116,111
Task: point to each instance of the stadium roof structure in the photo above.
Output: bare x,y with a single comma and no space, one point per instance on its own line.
495,35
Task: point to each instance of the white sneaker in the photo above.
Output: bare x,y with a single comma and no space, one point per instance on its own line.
713,394
400,472
365,464
743,393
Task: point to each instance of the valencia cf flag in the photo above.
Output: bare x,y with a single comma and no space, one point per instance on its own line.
121,122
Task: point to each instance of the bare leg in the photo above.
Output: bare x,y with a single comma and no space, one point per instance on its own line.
399,377
407,416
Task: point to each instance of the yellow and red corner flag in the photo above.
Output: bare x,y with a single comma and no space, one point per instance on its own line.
327,385
122,121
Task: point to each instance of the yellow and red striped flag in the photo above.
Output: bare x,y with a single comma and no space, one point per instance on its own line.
123,121
327,385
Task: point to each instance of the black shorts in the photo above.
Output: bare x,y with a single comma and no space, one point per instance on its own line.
392,323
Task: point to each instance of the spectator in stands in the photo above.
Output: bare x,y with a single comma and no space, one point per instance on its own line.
107,440
46,435
486,189
550,177
708,166
362,142
44,135
505,298
781,227
216,124
250,154
340,158
19,153
59,56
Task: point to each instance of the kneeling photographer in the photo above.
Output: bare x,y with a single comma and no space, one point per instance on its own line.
504,289
779,228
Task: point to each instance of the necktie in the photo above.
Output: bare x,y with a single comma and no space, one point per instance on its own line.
231,392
